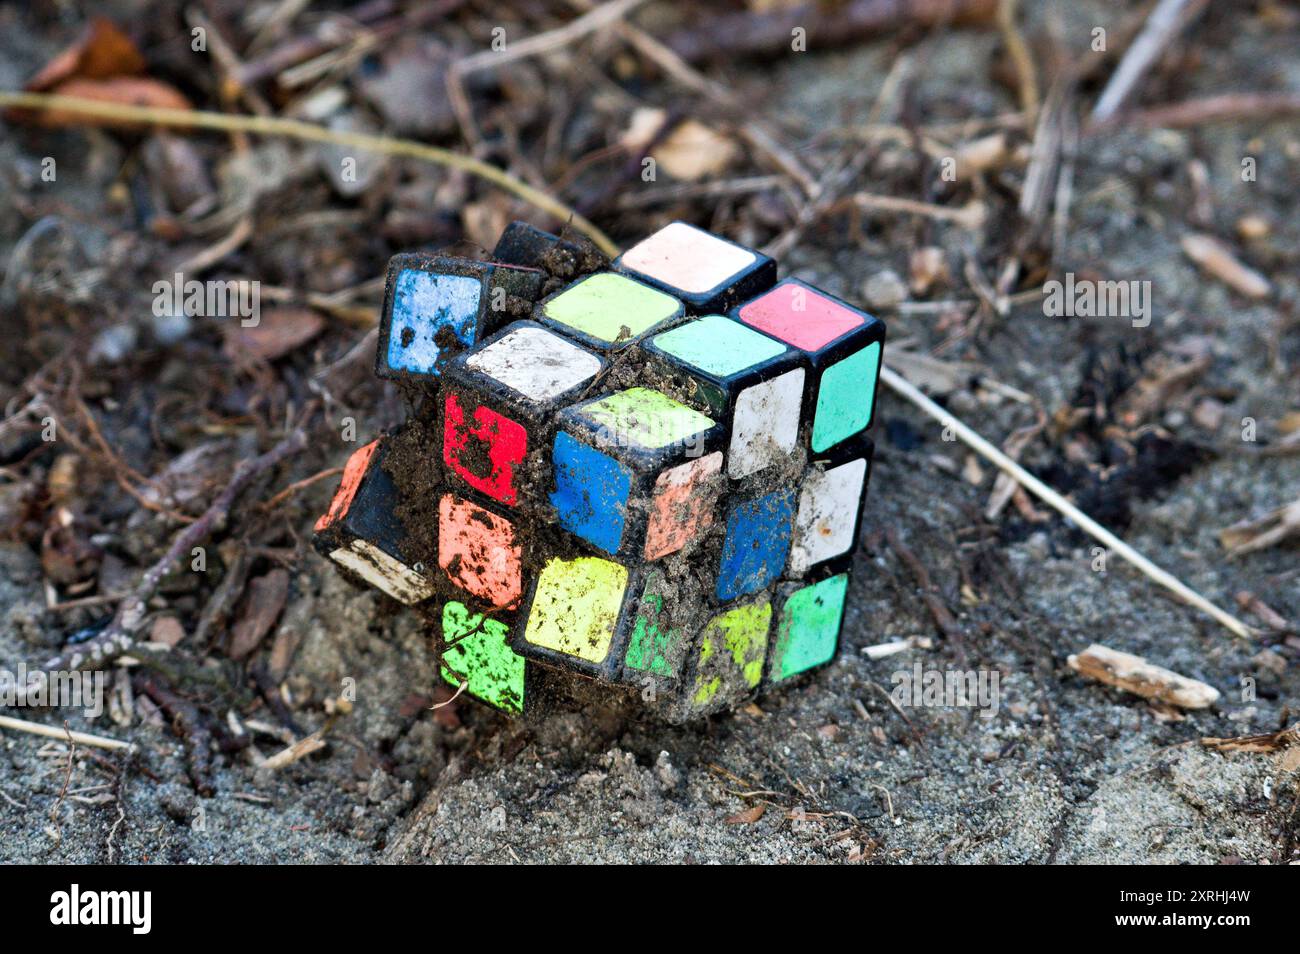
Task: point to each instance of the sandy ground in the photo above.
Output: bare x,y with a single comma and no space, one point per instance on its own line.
1063,771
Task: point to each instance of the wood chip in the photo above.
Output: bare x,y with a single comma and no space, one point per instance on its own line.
299,750
1262,532
1215,259
1134,674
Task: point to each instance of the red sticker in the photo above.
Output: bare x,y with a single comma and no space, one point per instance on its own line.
485,450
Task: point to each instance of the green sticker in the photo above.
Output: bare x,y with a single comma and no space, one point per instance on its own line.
809,627
655,644
732,648
646,418
844,399
605,304
476,651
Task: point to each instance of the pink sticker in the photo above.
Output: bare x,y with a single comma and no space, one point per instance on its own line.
799,316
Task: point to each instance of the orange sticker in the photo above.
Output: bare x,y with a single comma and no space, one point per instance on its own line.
478,551
353,471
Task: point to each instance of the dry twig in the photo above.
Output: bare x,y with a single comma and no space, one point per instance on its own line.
119,636
968,436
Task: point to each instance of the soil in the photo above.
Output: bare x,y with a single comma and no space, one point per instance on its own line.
1062,770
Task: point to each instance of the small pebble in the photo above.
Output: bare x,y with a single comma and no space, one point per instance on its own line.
884,290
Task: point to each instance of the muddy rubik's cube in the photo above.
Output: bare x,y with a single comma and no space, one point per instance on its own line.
648,473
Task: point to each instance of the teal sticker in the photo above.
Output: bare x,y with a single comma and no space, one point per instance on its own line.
718,345
844,401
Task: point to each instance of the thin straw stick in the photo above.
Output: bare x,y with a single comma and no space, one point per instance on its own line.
905,388
296,129
55,732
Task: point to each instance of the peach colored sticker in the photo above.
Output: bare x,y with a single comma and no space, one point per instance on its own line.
688,258
353,471
478,551
680,510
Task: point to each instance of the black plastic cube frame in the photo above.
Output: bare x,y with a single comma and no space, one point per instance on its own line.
646,465
714,394
528,246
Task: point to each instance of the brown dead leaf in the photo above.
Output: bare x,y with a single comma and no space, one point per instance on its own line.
279,332
102,51
167,631
121,90
747,816
1262,532
691,151
262,607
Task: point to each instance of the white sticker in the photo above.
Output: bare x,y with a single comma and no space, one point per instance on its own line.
535,363
828,512
765,425
383,571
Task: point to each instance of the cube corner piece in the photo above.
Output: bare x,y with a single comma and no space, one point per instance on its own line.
437,306
476,658
363,535
709,273
843,344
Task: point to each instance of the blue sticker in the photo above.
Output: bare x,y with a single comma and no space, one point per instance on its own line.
757,543
424,304
591,491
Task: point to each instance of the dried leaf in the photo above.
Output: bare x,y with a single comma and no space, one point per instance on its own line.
122,90
262,606
748,816
102,51
279,332
691,151
166,631
1215,258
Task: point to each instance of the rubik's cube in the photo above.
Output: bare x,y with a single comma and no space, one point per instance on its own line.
647,474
